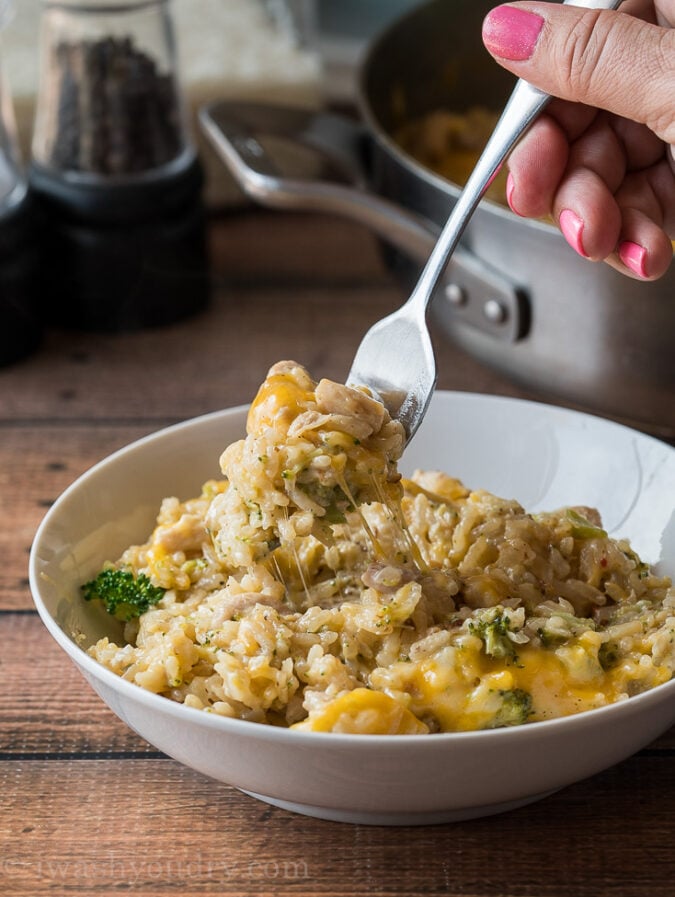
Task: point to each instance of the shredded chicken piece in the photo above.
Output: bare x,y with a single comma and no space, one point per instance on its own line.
334,398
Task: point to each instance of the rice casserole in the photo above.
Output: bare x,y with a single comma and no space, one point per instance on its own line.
313,587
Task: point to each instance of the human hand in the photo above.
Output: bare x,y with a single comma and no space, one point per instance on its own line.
601,159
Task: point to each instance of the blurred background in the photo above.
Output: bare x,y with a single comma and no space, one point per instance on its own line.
299,52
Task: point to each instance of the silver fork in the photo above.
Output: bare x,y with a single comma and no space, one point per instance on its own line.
395,358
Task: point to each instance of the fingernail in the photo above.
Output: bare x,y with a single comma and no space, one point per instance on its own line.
511,33
634,257
510,187
573,230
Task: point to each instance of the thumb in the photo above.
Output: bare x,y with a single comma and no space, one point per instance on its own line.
600,58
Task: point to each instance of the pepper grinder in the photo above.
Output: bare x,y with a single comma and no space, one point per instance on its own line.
114,169
20,329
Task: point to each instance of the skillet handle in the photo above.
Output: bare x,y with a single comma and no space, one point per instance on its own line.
287,158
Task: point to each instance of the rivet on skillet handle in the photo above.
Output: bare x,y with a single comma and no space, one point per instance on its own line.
239,133
479,296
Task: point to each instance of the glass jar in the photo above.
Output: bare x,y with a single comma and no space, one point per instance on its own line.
20,331
115,168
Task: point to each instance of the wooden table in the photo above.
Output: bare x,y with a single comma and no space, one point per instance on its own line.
89,808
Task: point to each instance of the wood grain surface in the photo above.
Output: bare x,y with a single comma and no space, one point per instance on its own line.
88,807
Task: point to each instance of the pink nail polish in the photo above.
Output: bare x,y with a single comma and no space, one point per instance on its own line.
634,257
511,33
510,188
573,230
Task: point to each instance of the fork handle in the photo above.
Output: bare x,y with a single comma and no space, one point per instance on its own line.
522,108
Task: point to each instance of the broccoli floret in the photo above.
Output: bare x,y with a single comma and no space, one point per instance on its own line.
515,710
124,595
494,629
608,655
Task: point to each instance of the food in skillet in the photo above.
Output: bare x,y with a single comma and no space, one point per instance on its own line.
450,143
313,587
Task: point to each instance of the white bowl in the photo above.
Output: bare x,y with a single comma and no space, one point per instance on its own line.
545,457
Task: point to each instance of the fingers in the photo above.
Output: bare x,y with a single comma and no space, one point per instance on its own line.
609,146
605,210
540,159
600,58
573,184
584,203
646,200
643,250
602,177
536,167
629,230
